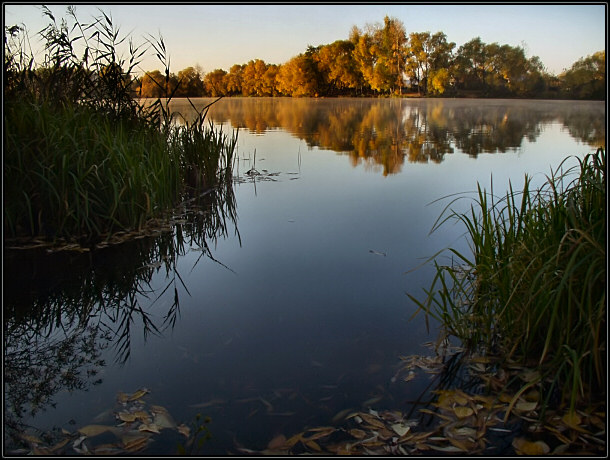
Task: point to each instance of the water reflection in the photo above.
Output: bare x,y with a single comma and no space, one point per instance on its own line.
64,313
388,132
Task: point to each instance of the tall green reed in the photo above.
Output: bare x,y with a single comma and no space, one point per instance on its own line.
84,158
534,289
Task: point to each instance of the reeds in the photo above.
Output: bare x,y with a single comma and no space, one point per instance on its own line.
84,158
534,290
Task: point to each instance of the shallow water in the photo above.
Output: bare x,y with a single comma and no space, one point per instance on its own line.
297,309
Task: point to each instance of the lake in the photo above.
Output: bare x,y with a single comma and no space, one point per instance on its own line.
284,306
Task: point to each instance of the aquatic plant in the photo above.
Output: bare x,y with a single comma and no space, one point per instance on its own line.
84,157
534,290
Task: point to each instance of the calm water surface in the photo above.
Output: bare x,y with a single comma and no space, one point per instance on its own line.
293,308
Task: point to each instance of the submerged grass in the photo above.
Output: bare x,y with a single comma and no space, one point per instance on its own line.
534,289
84,158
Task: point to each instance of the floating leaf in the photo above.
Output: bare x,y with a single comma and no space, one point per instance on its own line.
463,412
127,417
164,420
525,447
358,434
313,445
31,438
60,444
571,419
294,439
321,433
138,394
94,430
400,429
122,397
526,406
151,428
184,430
372,420
136,444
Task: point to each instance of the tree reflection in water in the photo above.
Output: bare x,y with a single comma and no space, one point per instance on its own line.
62,310
384,133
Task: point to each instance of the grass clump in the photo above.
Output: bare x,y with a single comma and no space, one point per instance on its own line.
84,157
534,290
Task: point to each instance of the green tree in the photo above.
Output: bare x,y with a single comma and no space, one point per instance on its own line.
427,54
469,65
586,78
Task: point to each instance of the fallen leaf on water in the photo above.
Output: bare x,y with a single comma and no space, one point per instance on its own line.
571,419
525,406
183,429
138,394
164,420
127,417
294,439
313,445
342,414
463,412
372,420
94,430
525,447
151,428
400,429
122,397
356,433
60,444
30,438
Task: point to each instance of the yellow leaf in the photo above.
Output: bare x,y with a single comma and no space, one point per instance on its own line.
463,412
138,394
571,419
358,434
122,397
525,406
127,417
151,428
94,430
372,420
525,447
313,445
291,441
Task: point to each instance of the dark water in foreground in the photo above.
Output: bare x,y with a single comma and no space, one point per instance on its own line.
285,308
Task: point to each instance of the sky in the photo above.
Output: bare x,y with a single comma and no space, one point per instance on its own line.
216,36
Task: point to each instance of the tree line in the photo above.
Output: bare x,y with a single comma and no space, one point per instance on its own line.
382,60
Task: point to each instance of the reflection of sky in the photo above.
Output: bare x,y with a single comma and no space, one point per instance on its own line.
307,304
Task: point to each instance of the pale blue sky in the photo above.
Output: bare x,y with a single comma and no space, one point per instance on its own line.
218,36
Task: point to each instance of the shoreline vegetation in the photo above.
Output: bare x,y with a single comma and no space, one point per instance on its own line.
85,161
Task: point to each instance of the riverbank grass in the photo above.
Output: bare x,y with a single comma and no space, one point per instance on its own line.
534,290
84,157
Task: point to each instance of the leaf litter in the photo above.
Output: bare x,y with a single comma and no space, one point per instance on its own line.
136,425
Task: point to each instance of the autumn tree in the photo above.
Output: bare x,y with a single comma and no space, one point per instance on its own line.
190,83
428,54
215,83
298,77
234,79
152,84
